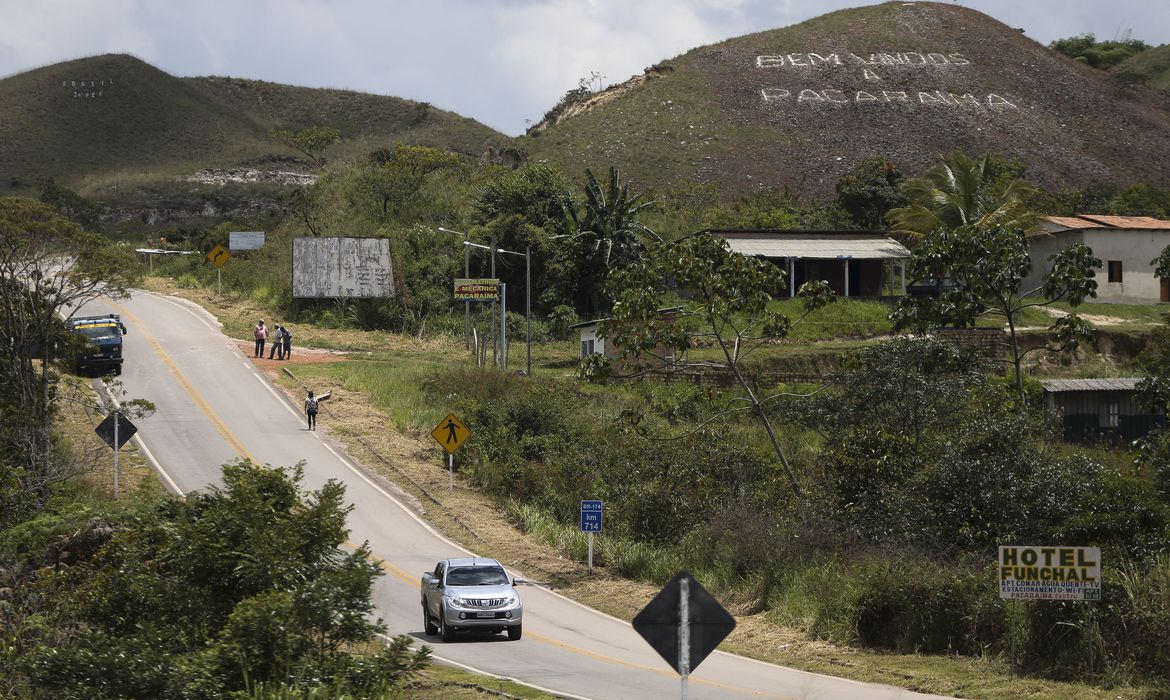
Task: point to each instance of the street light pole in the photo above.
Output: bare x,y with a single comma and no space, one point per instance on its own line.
528,307
466,274
528,290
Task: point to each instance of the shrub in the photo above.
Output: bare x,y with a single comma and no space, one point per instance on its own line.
916,606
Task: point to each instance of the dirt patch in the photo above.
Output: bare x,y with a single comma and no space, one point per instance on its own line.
298,356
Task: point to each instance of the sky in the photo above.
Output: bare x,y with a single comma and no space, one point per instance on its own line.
502,62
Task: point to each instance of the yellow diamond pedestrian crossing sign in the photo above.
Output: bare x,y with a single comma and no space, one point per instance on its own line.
450,433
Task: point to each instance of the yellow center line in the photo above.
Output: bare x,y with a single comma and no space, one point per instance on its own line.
393,570
200,402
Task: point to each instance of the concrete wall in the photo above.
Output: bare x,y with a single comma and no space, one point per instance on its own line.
1134,248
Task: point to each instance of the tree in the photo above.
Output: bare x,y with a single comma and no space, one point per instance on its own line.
604,234
869,191
960,192
82,211
988,265
48,267
393,178
312,142
1099,54
727,295
244,583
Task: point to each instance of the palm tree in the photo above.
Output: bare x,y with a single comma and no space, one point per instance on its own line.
604,234
960,192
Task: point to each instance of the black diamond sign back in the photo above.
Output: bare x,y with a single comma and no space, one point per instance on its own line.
659,621
126,430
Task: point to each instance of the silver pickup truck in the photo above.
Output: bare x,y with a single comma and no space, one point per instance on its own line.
471,593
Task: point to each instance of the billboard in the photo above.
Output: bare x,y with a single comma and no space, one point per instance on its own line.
245,240
477,290
1050,573
328,268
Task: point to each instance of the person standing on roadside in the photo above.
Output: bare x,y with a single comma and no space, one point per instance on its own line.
311,410
277,346
261,332
286,342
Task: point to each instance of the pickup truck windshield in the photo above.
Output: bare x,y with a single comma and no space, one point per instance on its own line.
98,334
476,576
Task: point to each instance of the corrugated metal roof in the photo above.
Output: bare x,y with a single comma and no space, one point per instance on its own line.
818,246
1096,384
1099,221
1071,222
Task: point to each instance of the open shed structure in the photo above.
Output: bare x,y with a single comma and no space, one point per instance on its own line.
854,263
1100,409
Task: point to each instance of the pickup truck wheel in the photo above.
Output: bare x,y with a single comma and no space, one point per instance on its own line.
515,632
445,632
429,627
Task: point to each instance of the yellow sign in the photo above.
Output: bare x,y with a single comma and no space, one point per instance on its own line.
477,290
450,433
219,255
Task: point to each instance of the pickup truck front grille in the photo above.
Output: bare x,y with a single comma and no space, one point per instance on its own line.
486,602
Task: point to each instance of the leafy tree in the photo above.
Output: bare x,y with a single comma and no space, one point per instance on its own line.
535,192
393,178
82,211
195,598
988,267
869,191
300,203
313,141
604,234
1154,358
1140,199
48,267
961,192
1099,54
727,295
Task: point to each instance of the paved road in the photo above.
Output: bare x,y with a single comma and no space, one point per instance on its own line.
214,406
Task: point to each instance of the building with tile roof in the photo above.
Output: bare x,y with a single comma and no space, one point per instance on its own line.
1125,245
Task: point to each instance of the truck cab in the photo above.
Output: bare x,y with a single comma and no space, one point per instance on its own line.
471,593
102,336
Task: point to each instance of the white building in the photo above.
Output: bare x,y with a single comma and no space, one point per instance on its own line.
1124,244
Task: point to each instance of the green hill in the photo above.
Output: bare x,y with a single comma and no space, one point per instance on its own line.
1151,67
801,105
96,121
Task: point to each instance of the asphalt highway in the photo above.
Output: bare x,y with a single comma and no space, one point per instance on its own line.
214,405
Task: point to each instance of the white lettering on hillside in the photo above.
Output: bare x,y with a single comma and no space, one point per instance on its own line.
86,89
875,68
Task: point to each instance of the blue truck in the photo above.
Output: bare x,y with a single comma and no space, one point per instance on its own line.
103,342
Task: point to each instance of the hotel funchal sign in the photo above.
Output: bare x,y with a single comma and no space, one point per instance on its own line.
1050,573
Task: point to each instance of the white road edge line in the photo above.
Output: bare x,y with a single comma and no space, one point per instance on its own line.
510,679
182,304
154,463
267,385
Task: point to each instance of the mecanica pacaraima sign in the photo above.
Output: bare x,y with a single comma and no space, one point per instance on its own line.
1050,573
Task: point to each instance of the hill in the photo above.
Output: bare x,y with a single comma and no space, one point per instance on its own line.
801,105
95,121
1151,66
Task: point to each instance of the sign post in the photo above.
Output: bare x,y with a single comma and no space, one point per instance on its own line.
684,624
450,433
591,522
219,257
115,430
1047,573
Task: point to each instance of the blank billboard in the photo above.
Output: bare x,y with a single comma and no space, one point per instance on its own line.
327,268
